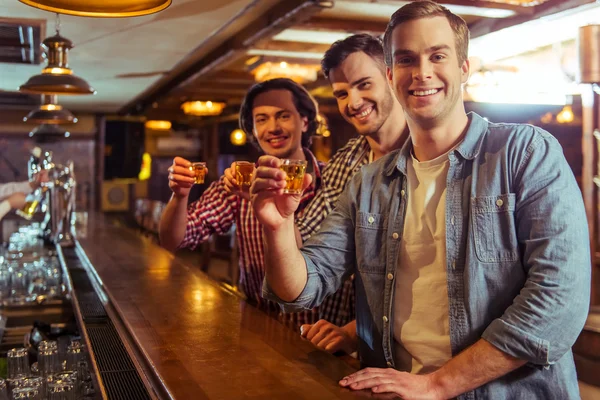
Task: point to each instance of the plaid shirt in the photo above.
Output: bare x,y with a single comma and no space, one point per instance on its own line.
339,307
216,211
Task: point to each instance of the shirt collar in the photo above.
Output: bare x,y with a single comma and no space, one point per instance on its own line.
469,148
316,167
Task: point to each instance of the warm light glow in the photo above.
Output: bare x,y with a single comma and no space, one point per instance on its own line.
238,137
145,170
323,128
565,115
158,125
57,71
296,72
202,108
50,107
100,8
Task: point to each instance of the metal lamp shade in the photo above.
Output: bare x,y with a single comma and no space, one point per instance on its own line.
52,115
57,77
63,84
48,132
100,8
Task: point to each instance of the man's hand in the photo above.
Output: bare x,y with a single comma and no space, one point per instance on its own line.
16,200
38,179
271,206
181,178
331,338
232,185
389,380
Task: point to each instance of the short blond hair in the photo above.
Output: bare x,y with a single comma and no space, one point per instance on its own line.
428,9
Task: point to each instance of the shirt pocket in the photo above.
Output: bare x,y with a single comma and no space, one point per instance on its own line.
494,229
370,242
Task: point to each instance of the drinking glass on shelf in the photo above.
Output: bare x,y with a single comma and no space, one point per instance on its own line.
60,390
294,170
199,169
27,393
75,354
48,362
4,283
3,390
18,363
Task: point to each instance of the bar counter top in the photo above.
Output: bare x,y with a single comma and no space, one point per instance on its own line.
203,341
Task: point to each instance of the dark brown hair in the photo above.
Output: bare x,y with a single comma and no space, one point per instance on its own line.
341,49
304,102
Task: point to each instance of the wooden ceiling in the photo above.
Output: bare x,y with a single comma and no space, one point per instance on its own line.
284,34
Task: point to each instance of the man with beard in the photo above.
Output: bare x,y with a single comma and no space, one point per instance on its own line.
355,68
470,245
280,117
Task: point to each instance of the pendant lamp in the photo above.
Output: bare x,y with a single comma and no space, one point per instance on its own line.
57,77
100,8
50,112
48,133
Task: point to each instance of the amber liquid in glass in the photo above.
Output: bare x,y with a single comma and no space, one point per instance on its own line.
295,177
199,172
28,209
243,173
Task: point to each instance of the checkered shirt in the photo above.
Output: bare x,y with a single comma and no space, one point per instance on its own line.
216,211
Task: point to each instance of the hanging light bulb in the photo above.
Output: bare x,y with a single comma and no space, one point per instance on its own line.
57,77
50,112
100,8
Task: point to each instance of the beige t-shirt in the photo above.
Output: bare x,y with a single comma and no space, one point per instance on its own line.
421,322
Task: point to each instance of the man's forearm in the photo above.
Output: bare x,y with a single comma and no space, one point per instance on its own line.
474,367
171,229
285,268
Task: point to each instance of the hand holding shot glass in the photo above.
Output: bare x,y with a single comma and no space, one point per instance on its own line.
184,174
294,170
199,170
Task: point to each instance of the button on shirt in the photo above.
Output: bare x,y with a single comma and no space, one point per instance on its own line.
521,268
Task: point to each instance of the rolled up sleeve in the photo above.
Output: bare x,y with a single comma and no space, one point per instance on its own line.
547,316
330,257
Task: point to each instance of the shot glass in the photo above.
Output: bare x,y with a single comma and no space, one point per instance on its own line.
199,169
243,173
294,170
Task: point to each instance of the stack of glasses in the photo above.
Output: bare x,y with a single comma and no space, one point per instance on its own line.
28,272
53,378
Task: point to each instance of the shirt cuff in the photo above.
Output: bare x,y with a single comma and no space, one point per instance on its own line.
518,343
23,187
4,208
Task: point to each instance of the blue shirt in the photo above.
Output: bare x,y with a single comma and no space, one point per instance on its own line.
517,255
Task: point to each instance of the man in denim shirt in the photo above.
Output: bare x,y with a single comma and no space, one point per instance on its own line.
485,219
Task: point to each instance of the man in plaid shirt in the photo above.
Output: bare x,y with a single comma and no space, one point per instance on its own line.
280,116
355,68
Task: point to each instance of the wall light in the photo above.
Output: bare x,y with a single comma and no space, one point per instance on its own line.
158,125
238,137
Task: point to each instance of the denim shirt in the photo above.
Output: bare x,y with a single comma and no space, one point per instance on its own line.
518,256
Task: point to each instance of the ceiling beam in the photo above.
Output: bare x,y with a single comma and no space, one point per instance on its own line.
489,4
244,31
344,25
550,7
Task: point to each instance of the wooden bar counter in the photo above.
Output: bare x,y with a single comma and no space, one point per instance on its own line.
201,341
